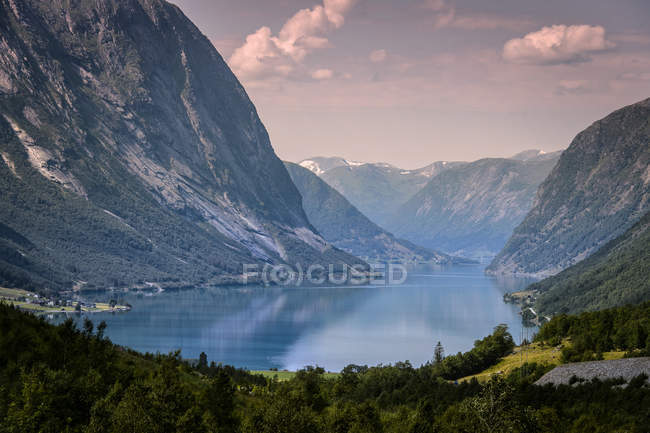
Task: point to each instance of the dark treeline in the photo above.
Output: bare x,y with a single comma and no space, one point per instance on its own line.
59,378
592,333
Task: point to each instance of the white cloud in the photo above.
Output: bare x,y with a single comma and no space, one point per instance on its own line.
378,56
558,44
264,55
322,74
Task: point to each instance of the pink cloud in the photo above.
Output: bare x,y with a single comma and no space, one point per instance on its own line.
264,55
557,44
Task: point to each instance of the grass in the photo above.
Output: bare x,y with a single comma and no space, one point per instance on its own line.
533,353
12,295
288,375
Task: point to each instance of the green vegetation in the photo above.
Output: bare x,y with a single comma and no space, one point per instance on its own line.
594,333
34,303
539,354
283,375
58,378
485,353
618,274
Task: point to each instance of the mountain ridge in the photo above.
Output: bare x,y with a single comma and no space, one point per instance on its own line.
599,188
471,210
348,229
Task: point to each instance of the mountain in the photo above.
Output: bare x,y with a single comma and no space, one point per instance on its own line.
376,189
614,276
131,154
348,229
471,209
599,189
536,155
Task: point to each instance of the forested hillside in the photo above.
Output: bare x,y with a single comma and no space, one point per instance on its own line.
618,274
58,378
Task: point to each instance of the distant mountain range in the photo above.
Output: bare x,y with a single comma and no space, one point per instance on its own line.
599,188
461,208
348,229
616,275
376,189
472,209
130,154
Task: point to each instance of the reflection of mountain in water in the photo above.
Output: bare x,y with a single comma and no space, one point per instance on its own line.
260,328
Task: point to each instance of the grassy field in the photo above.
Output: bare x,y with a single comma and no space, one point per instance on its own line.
288,375
12,295
533,353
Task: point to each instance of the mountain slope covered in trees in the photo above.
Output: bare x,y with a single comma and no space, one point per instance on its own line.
616,275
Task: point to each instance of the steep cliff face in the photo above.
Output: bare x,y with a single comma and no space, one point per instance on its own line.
348,229
599,188
121,115
471,209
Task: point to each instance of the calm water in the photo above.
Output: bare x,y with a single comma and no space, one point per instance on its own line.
260,328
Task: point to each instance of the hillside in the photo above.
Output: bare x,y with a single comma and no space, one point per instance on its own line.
348,229
616,275
599,189
130,154
471,209
59,378
376,189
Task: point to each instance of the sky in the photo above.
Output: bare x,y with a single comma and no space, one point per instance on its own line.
410,82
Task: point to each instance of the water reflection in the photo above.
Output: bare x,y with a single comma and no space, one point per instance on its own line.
260,328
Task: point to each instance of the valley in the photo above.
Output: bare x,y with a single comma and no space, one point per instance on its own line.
336,216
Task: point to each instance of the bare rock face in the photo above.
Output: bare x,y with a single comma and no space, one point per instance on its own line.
599,189
124,106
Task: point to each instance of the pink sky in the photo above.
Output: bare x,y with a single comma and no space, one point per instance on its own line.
414,81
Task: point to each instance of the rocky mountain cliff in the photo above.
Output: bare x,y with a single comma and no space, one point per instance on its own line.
599,189
376,189
616,275
348,229
471,209
130,153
